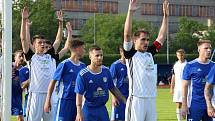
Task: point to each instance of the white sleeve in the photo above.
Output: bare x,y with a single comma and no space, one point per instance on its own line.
127,45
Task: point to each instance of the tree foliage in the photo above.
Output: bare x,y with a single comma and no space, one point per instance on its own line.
42,15
184,37
109,31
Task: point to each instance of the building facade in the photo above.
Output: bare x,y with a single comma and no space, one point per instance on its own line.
78,11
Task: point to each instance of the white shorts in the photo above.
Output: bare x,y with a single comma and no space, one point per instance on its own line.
35,108
177,96
140,109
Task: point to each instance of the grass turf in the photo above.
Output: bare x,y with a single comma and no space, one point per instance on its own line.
165,106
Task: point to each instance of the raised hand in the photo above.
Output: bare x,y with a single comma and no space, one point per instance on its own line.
133,5
166,8
60,15
29,23
25,13
69,27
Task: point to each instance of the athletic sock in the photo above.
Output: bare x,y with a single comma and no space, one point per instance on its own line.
179,114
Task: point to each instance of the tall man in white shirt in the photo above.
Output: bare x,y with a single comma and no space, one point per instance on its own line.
140,64
176,82
41,70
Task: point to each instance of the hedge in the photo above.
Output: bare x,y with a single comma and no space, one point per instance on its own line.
159,58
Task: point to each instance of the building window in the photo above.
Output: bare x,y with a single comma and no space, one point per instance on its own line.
90,6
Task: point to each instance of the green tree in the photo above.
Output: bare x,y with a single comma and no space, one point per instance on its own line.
184,37
109,31
42,14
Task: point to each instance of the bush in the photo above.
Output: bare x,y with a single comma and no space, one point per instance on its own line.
159,58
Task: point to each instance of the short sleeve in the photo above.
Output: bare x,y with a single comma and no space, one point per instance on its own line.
23,75
110,81
59,71
80,85
113,70
186,72
211,76
154,48
29,54
53,54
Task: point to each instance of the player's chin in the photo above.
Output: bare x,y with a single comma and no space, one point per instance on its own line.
99,64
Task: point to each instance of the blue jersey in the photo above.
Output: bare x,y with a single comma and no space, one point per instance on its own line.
24,75
119,73
94,86
197,73
16,85
211,76
66,74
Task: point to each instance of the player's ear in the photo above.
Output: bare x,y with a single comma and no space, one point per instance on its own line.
90,56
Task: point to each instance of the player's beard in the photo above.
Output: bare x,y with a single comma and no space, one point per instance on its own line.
98,63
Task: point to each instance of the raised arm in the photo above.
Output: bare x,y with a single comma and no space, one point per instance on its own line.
24,42
208,97
58,39
69,38
128,23
28,35
163,29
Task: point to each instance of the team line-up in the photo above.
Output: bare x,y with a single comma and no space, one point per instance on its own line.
73,91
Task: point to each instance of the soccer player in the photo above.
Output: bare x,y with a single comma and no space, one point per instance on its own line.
210,99
41,72
24,81
65,75
176,82
94,83
140,64
119,73
16,107
194,79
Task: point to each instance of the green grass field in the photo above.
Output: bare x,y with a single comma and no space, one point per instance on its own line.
165,106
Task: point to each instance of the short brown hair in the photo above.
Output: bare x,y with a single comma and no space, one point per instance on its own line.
94,47
19,51
202,41
181,51
37,37
75,43
48,42
138,32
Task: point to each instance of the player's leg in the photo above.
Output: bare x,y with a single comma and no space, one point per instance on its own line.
34,107
177,98
179,111
46,116
90,113
118,112
135,109
25,106
114,113
103,115
66,110
16,107
196,113
150,105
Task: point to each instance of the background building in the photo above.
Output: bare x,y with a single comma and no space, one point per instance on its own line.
78,11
